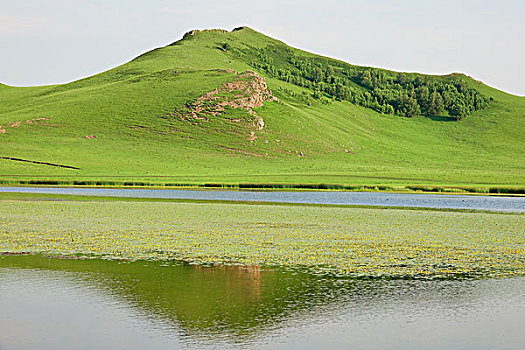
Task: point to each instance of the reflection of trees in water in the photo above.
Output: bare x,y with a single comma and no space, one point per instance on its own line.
205,302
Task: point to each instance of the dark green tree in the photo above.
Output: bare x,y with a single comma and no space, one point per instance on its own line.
436,105
423,97
366,79
329,74
458,110
408,106
317,74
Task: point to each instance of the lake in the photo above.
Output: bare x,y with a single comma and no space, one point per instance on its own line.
442,201
96,304
57,303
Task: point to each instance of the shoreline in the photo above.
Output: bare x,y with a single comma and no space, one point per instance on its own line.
277,187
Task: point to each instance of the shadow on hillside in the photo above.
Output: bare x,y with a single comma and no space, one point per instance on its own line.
440,118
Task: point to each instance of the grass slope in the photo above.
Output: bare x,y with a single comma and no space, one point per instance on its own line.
132,112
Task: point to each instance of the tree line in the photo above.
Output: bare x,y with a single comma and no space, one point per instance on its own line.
404,94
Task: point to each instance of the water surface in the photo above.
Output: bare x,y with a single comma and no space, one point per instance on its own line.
94,304
493,203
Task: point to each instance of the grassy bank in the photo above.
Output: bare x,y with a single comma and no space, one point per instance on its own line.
358,242
487,190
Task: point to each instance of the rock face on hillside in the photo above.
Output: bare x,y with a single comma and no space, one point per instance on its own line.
192,32
195,31
246,92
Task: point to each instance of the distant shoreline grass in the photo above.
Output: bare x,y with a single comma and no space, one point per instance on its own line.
483,190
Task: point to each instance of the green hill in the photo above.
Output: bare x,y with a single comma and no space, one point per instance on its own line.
240,107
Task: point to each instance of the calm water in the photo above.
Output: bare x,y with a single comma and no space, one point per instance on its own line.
94,304
514,204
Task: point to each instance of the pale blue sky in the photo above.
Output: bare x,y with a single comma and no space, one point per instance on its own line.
55,41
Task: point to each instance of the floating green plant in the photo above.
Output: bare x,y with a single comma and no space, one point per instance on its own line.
377,243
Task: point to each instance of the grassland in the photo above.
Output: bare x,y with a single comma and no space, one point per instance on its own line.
137,138
356,242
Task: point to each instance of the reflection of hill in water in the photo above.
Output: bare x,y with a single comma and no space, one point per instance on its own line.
252,307
238,304
202,301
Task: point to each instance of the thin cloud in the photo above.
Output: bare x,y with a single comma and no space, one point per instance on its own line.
180,10
16,24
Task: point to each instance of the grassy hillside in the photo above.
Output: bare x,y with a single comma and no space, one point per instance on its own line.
186,113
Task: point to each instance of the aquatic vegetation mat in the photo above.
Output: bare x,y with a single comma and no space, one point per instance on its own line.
366,243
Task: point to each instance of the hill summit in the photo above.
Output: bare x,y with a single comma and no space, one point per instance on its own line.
384,91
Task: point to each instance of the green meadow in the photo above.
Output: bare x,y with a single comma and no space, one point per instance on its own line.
133,125
343,241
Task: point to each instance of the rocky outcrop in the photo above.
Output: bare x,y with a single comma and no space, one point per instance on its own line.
246,92
195,31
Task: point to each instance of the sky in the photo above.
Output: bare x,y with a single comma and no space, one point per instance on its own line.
58,41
